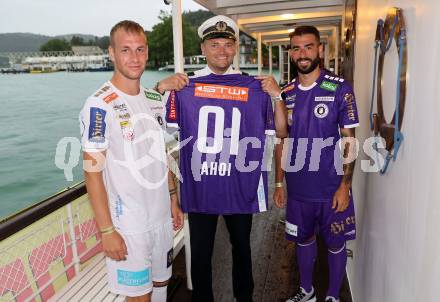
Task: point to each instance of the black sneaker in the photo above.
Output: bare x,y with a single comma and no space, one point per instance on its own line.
331,299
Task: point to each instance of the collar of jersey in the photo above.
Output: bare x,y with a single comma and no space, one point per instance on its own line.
208,71
318,80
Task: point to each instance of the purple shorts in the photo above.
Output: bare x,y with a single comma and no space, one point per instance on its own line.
306,219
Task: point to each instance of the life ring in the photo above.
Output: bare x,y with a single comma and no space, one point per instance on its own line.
393,29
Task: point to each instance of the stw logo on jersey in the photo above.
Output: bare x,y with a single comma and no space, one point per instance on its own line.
212,91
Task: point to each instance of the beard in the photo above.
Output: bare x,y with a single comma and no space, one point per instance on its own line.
313,64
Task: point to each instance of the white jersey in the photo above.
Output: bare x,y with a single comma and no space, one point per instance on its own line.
130,130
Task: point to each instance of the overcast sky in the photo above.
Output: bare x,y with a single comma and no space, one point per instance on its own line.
56,17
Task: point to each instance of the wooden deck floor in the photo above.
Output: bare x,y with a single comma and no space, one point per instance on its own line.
274,264
274,268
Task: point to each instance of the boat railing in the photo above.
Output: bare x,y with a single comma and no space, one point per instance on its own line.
45,246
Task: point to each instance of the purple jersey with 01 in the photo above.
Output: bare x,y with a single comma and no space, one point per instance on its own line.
223,122
315,114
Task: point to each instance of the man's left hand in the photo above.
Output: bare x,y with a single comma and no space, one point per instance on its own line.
341,199
269,85
175,82
176,213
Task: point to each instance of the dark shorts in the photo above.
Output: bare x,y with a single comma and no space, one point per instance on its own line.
306,219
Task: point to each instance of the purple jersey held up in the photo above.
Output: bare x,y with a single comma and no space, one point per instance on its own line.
315,114
223,122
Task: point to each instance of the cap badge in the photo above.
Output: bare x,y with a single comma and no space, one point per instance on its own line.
220,26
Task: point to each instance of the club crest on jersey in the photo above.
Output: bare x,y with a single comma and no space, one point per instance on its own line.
321,110
234,93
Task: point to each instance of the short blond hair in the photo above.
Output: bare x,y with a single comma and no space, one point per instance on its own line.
129,27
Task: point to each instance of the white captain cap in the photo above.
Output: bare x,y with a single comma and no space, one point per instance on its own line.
218,27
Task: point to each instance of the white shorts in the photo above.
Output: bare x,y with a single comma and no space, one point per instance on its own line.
149,259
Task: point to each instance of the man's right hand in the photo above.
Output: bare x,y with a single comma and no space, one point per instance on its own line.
279,198
114,246
175,82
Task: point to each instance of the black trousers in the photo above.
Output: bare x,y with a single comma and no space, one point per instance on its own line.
202,231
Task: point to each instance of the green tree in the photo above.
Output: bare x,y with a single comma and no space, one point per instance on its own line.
103,42
56,45
196,18
160,41
77,41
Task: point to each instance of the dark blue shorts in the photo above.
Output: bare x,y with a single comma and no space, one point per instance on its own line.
306,219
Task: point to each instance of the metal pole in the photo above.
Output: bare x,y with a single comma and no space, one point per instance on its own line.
71,225
338,41
177,35
326,55
178,67
270,58
281,63
237,55
259,54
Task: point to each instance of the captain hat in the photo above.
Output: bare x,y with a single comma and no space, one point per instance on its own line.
218,27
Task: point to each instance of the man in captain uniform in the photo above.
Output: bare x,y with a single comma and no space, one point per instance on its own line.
220,95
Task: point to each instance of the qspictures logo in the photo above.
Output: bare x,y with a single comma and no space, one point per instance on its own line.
234,93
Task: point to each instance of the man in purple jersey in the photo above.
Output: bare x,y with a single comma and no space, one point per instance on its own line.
225,115
321,109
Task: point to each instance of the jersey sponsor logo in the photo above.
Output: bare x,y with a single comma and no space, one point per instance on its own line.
97,125
153,96
290,117
159,119
321,110
324,99
329,86
234,93
349,102
118,207
172,115
112,96
291,229
102,90
291,98
138,278
170,257
289,88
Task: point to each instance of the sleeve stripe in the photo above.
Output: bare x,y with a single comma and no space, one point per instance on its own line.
173,125
270,132
93,150
351,126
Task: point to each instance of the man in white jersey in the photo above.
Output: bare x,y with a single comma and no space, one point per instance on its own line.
130,188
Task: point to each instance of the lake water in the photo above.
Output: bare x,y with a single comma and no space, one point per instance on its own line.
37,111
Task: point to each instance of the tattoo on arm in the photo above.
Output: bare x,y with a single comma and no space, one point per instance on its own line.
349,151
